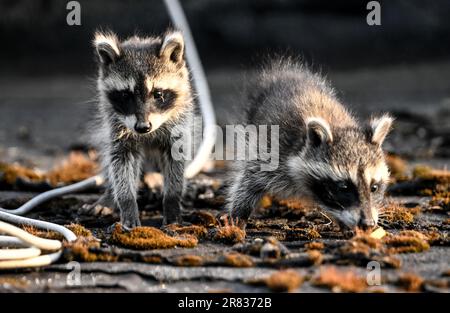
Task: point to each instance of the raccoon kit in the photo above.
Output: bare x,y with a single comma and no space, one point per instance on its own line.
144,92
325,155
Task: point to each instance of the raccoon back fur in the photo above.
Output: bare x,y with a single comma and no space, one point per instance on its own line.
325,155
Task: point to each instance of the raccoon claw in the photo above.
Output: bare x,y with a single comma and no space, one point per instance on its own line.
95,209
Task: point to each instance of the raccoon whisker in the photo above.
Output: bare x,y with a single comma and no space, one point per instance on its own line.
329,219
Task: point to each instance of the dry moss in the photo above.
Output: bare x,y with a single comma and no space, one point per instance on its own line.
229,233
410,282
339,281
194,230
394,213
441,199
397,166
42,233
79,230
188,260
13,171
81,250
294,204
315,245
75,168
143,238
427,173
19,283
407,241
266,202
152,259
203,218
236,259
315,256
284,280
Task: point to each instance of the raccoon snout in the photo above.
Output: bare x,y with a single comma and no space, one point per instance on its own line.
366,223
143,127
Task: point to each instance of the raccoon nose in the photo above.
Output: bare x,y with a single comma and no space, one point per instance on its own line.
143,127
366,224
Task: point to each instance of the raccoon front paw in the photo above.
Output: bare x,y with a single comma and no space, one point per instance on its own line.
172,219
130,223
95,209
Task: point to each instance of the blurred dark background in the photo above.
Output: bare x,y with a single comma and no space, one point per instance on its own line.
402,66
229,32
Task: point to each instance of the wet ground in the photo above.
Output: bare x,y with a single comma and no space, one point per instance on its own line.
42,119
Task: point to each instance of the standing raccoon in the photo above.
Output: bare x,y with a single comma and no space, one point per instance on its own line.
144,92
325,155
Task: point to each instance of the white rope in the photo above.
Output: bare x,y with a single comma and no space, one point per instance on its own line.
43,197
30,256
209,133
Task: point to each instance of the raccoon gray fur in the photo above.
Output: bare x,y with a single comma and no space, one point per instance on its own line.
144,92
325,155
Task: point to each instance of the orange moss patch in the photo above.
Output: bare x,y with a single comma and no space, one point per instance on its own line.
143,238
284,280
203,218
188,260
430,174
315,256
410,282
79,230
14,282
13,171
266,202
229,233
315,245
195,230
396,213
293,204
42,233
397,166
80,250
339,281
152,259
441,199
236,259
75,168
407,241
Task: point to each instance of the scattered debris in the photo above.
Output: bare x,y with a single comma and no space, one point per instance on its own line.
410,282
229,233
188,260
237,259
194,230
315,245
75,168
339,281
407,241
398,167
284,281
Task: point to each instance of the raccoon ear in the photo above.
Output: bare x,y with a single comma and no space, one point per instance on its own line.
107,47
172,47
379,128
318,131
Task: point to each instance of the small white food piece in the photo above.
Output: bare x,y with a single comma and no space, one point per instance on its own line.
378,233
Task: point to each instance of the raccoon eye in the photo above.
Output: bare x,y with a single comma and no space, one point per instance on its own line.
158,94
374,188
342,186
